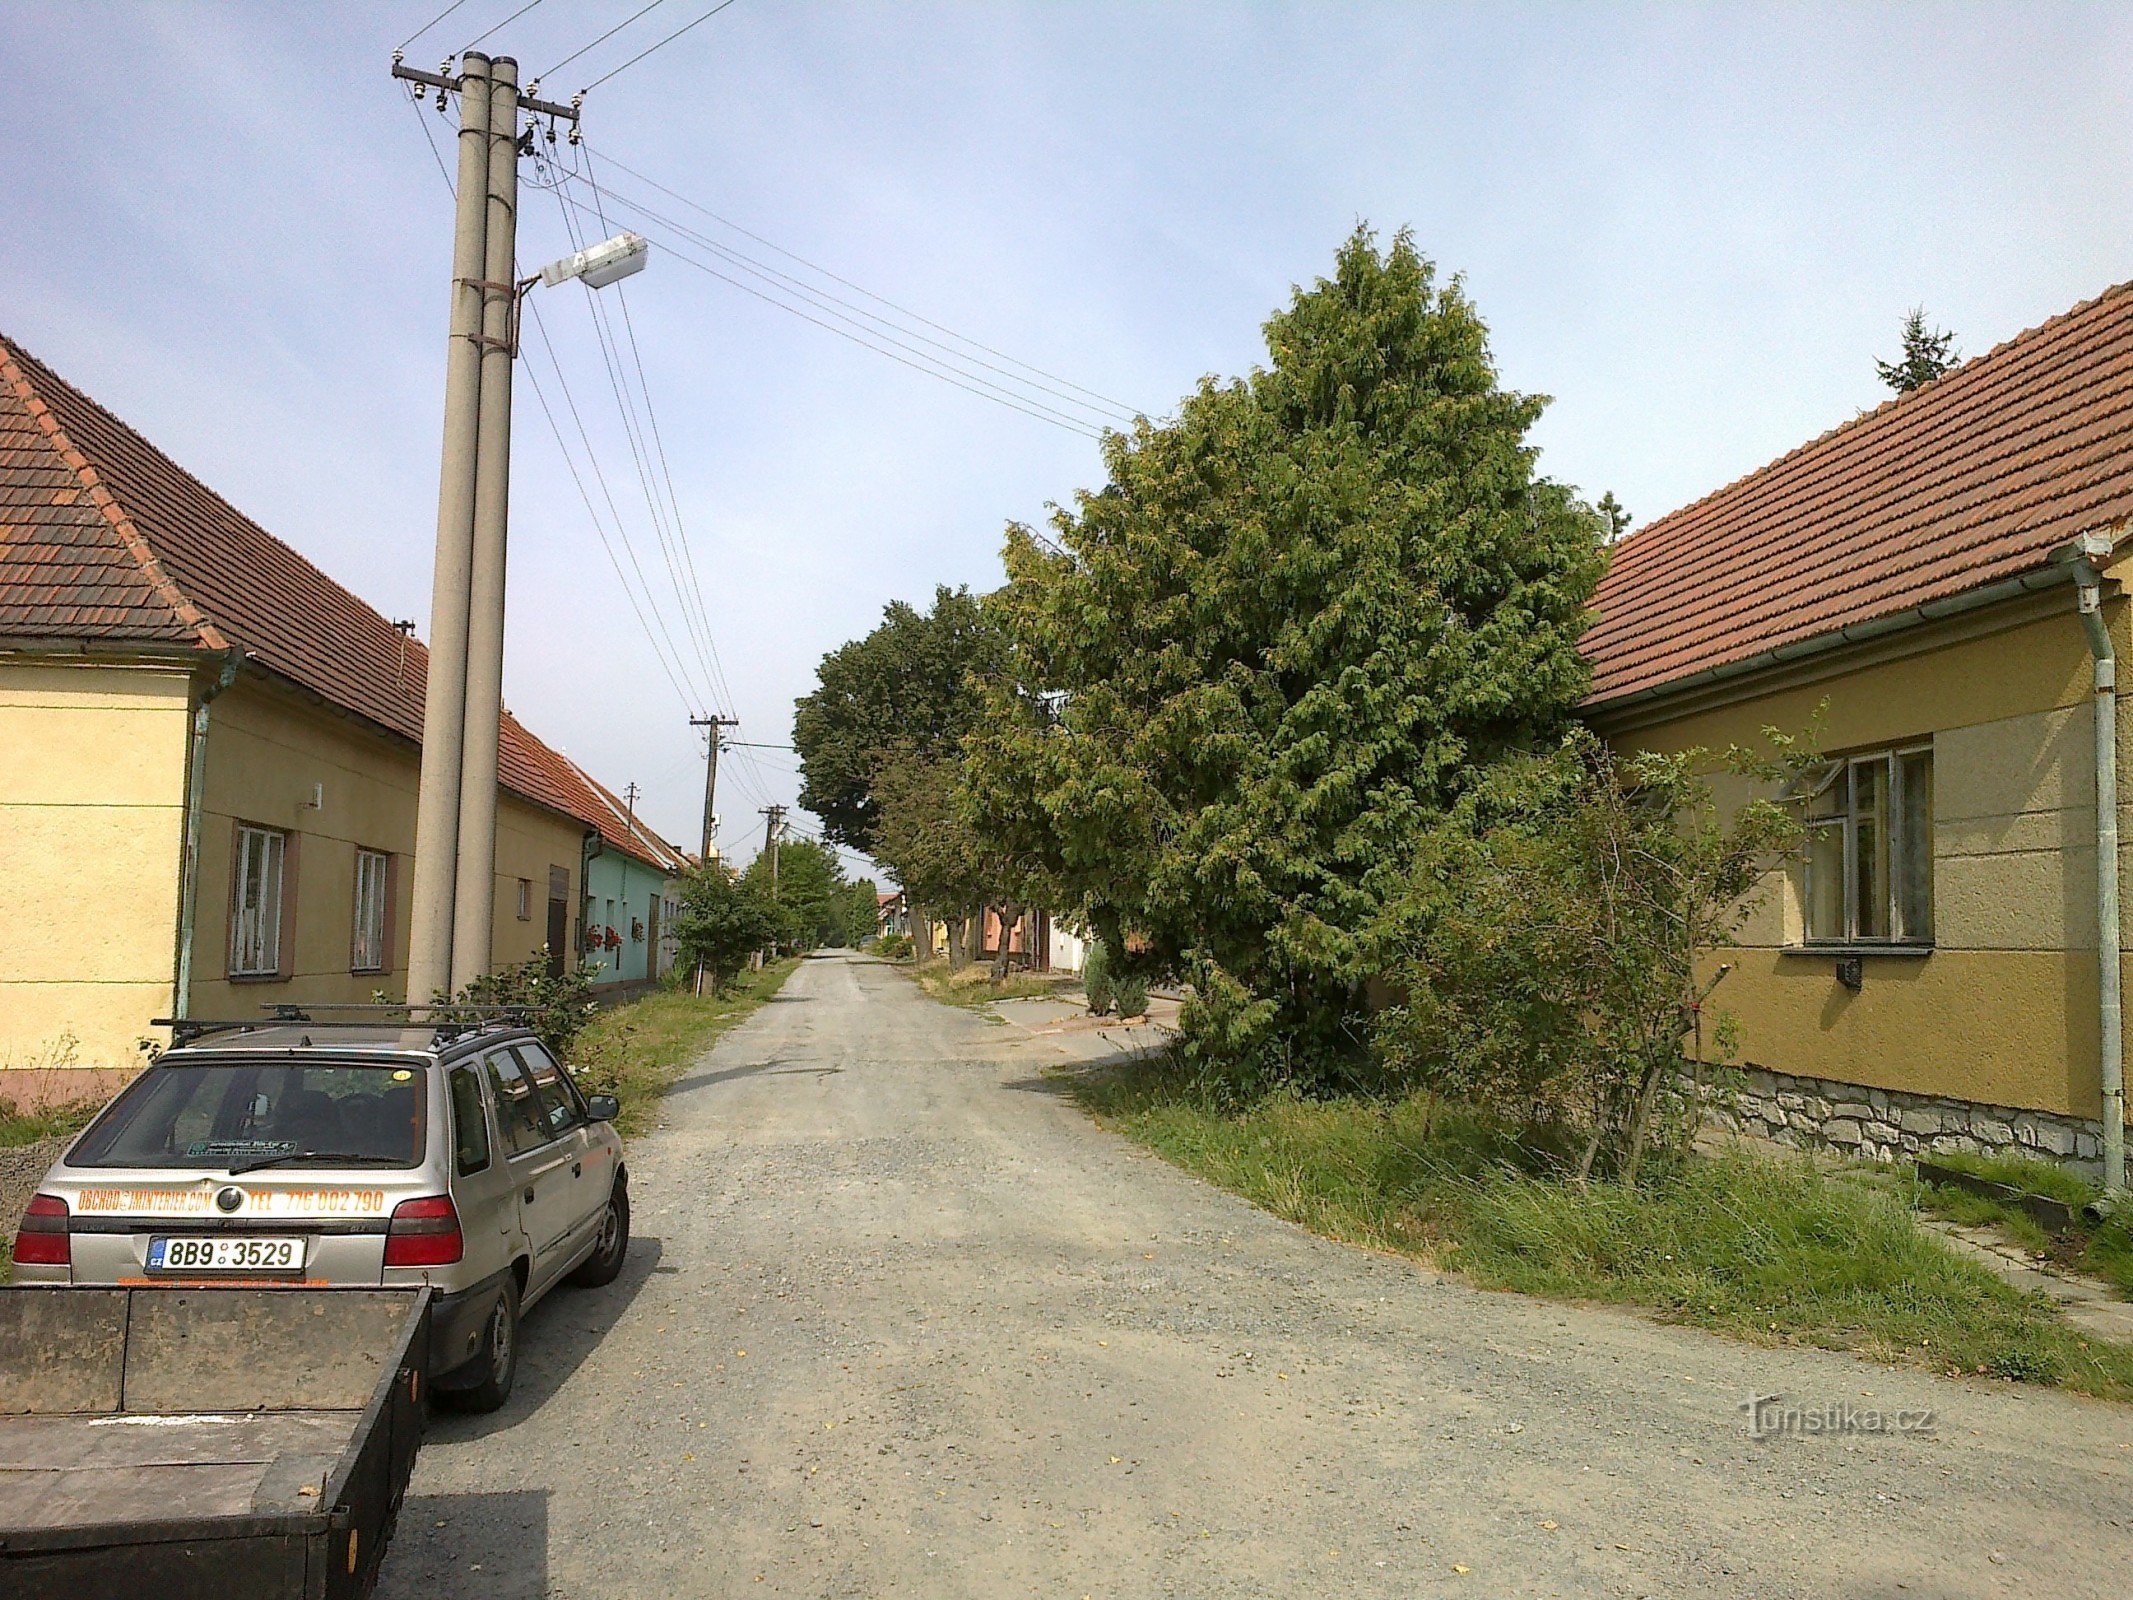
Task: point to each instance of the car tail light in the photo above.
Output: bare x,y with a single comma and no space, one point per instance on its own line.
43,1241
424,1233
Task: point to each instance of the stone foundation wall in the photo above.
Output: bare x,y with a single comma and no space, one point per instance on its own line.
1887,1125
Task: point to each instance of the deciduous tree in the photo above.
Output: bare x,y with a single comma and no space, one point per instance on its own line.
722,923
905,686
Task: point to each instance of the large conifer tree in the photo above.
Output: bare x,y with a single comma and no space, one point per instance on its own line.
1243,675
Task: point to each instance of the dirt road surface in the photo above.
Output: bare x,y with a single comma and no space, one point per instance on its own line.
901,1321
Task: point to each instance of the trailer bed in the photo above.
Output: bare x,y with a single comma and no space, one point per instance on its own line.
232,1442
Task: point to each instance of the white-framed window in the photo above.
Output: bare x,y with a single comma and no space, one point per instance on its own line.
525,899
373,911
1868,875
256,902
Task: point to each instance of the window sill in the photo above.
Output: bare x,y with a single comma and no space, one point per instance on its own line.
259,977
1861,948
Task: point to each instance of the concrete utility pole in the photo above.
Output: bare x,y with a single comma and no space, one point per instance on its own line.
429,944
474,914
714,722
454,889
629,811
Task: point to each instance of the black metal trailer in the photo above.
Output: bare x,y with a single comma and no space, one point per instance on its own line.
205,1443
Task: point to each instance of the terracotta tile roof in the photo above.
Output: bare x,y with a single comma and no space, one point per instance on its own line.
104,539
625,831
1976,478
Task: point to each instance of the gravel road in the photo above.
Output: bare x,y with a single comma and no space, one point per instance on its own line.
900,1320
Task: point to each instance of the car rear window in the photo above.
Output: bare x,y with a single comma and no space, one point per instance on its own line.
245,1115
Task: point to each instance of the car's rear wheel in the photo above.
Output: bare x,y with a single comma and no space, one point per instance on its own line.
605,1262
496,1361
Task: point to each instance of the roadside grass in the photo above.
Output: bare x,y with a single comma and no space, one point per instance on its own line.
20,1127
1769,1248
2104,1251
974,986
639,1048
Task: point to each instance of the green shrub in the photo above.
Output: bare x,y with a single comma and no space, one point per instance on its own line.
1096,978
893,946
557,1005
1130,994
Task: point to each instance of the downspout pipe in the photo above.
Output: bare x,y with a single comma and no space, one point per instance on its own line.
195,784
2093,550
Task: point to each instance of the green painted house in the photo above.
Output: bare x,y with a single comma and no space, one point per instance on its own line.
631,879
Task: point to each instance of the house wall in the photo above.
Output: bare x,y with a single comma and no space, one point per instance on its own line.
620,892
269,754
2002,1011
92,794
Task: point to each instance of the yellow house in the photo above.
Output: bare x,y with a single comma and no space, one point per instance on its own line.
1940,581
208,762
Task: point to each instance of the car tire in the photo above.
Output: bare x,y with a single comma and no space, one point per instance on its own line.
605,1263
496,1360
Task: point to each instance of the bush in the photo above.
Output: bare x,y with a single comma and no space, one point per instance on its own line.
1130,993
1551,937
893,946
557,1005
1096,978
723,921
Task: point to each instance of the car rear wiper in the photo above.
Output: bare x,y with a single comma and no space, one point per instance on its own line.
347,1157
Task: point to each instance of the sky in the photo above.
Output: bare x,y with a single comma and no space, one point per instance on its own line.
1694,227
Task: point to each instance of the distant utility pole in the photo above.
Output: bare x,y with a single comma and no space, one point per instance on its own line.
454,889
773,829
629,810
714,722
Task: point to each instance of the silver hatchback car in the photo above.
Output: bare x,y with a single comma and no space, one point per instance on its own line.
459,1155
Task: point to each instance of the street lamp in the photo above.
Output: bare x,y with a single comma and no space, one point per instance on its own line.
599,265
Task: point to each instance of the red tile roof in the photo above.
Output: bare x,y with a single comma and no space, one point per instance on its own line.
1976,478
625,831
106,540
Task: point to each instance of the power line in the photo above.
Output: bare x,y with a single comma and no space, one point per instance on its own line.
669,39
425,28
607,493
768,244
695,624
825,301
611,32
718,667
605,544
976,386
499,28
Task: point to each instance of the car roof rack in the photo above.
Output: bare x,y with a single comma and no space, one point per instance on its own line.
447,1019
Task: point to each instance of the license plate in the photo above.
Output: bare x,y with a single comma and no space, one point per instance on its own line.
225,1255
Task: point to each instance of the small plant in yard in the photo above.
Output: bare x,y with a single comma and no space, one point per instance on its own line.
893,946
1096,978
1130,992
1550,940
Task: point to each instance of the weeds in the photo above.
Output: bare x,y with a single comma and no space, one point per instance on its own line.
20,1127
1770,1248
975,985
638,1049
2102,1250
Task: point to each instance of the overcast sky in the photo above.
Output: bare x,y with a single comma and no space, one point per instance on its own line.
1694,227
